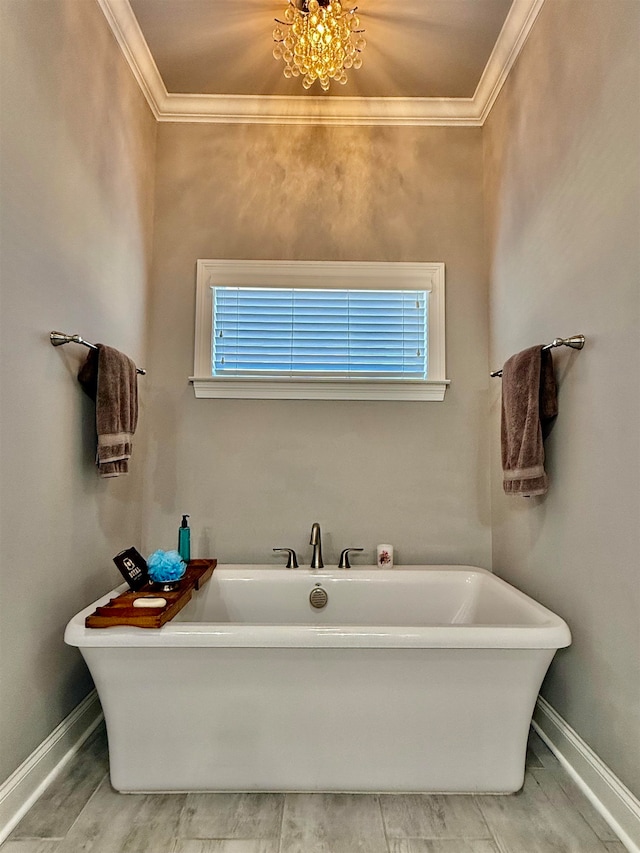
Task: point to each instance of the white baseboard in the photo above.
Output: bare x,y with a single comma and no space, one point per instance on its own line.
617,805
30,780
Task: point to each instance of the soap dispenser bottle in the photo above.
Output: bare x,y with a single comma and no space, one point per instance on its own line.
184,539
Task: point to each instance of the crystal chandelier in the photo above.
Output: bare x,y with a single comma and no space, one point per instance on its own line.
318,40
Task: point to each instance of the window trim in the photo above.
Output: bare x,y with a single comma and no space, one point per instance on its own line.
371,275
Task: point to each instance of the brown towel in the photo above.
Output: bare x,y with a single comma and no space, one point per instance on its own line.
529,406
109,377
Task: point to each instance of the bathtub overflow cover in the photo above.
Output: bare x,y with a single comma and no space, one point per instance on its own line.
318,597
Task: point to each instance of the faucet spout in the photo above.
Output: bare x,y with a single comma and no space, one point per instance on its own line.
316,541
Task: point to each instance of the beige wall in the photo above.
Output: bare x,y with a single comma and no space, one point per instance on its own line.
256,474
562,161
77,151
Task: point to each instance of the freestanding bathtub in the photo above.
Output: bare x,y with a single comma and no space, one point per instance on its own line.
418,678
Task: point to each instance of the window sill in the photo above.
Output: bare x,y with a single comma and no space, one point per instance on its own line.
237,388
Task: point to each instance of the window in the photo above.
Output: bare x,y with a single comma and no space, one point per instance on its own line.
312,333
319,330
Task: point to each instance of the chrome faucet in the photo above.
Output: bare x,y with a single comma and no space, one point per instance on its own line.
292,560
316,541
344,558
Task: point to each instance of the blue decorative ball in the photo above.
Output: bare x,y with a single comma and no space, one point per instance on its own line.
166,566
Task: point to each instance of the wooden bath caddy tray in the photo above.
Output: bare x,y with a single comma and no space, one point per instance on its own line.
120,610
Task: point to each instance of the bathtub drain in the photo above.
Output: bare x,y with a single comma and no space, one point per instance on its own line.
318,597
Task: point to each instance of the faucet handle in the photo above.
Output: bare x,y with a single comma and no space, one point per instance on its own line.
344,558
292,561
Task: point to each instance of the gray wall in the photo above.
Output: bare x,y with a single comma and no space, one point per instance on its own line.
256,474
77,151
562,162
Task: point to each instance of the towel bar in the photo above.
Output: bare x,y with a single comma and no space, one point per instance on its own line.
575,342
59,338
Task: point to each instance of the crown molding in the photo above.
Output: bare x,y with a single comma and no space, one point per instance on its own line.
279,109
305,109
133,45
515,31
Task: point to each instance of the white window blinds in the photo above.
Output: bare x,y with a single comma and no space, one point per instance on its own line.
259,331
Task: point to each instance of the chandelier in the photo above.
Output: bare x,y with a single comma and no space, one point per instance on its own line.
318,40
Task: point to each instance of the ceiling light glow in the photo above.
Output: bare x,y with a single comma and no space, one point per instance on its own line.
318,40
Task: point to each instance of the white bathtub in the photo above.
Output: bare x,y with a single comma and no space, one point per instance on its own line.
419,678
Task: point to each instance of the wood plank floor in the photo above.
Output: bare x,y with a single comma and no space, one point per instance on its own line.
81,813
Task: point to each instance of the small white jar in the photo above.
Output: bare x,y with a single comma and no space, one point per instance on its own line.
385,556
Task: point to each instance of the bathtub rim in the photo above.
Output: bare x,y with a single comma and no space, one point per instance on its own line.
550,632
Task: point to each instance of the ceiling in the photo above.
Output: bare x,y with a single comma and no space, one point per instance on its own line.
426,61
